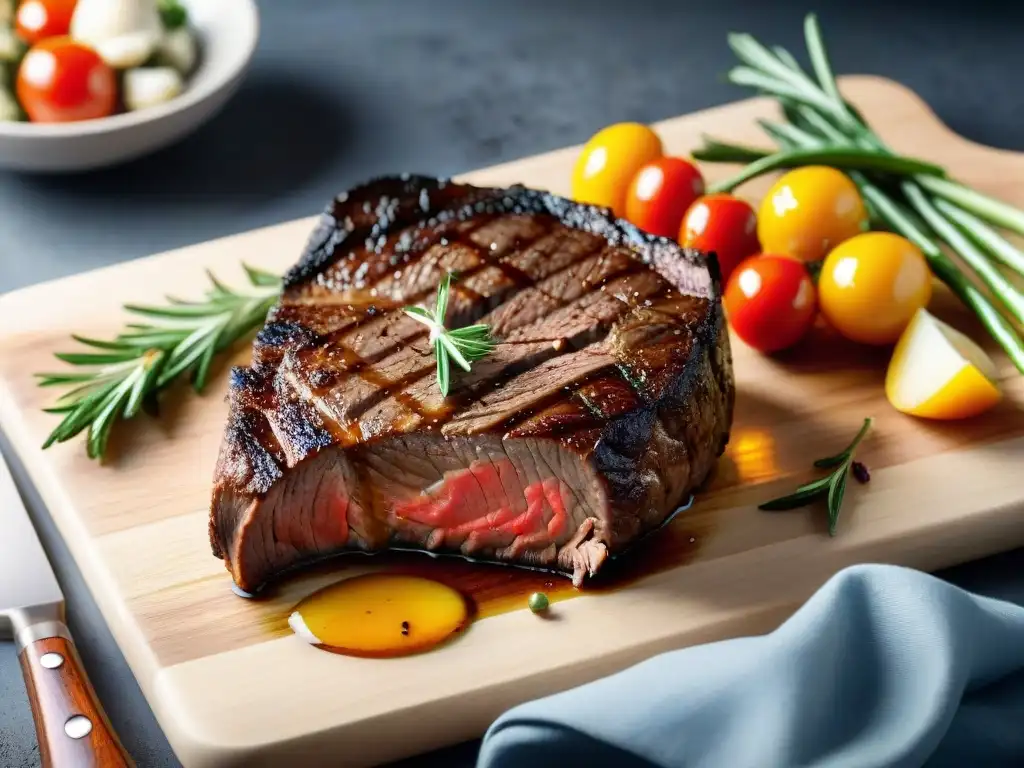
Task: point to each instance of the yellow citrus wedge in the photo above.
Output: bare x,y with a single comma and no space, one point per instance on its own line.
936,372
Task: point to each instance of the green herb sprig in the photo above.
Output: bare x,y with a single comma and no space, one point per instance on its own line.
832,486
461,345
933,212
124,375
172,14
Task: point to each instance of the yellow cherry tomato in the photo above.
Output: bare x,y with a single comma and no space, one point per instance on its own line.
871,286
809,211
609,161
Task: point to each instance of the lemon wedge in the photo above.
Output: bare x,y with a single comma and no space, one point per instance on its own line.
936,372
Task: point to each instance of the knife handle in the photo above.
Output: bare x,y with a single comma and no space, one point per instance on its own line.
73,731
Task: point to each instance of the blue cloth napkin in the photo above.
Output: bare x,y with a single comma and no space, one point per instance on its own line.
883,666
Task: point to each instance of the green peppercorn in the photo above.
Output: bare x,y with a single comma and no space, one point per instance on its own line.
539,602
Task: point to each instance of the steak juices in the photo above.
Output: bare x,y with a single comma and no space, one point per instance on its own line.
604,404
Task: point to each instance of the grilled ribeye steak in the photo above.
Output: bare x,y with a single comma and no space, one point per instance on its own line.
606,401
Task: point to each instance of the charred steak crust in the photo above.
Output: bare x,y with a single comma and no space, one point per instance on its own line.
604,405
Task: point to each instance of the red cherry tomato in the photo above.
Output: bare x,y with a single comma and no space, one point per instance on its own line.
661,192
60,81
722,224
770,301
39,19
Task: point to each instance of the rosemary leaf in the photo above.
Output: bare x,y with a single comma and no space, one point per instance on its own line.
783,133
58,409
442,298
832,486
454,351
101,344
991,210
175,310
126,374
91,358
419,313
99,429
786,58
792,111
799,498
830,461
751,52
753,78
983,235
718,152
836,489
819,58
261,278
138,393
461,345
57,379
202,371
443,367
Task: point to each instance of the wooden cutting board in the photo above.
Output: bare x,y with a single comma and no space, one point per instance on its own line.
231,685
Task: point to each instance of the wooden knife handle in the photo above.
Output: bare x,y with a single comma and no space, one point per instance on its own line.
72,728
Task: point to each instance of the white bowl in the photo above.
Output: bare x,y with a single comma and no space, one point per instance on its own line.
227,29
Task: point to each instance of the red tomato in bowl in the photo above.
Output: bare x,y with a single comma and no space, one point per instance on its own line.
661,192
60,81
770,301
36,20
722,224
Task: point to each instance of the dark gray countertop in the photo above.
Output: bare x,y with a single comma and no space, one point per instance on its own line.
341,91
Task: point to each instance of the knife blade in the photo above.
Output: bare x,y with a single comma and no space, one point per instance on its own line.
70,723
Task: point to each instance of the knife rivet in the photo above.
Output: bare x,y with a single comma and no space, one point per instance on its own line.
78,726
51,660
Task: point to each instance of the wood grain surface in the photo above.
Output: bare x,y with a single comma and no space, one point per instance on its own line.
231,685
61,695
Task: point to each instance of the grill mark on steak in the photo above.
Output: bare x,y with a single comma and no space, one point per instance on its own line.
565,443
555,269
360,364
414,364
357,318
461,243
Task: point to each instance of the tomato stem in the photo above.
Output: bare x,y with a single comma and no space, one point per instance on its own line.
814,270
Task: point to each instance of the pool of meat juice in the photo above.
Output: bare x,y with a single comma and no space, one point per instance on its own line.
415,602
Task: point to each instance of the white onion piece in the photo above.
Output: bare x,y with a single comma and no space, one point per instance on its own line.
11,46
9,111
149,86
177,49
123,32
126,51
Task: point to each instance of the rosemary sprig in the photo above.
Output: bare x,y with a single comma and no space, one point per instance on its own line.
935,213
461,345
124,375
832,485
